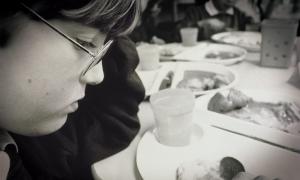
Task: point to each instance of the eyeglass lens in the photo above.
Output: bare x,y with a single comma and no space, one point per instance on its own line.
98,57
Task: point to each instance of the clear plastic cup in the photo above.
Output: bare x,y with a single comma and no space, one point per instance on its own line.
149,57
189,36
173,112
278,40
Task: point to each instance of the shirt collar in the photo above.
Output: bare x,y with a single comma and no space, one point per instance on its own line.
212,10
5,140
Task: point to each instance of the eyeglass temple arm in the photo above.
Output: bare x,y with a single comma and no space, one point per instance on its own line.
97,59
56,29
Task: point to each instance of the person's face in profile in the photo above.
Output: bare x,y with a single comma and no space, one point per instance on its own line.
41,74
223,5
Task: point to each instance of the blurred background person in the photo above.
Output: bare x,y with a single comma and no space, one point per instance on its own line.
146,29
215,16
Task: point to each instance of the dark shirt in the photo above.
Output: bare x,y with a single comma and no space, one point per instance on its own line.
16,168
104,124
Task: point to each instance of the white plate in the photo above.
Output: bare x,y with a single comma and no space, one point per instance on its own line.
159,162
153,79
183,67
168,51
249,40
251,129
202,52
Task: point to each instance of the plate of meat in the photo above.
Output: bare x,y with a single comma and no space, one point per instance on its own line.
268,116
215,154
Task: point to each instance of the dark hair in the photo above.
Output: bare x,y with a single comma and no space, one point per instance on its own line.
115,17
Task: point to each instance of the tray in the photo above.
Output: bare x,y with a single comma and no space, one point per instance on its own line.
251,41
152,80
159,162
263,133
213,53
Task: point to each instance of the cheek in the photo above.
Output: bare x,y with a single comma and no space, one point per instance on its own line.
37,81
32,106
39,75
43,62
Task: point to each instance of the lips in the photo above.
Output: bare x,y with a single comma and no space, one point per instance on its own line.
73,107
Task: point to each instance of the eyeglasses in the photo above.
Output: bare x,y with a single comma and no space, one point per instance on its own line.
96,57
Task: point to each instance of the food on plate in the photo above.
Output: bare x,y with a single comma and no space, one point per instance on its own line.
167,81
250,40
228,168
243,176
238,98
224,169
222,55
167,52
262,178
235,100
284,116
198,170
170,49
202,81
220,103
245,42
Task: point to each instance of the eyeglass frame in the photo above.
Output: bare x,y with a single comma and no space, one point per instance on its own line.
96,58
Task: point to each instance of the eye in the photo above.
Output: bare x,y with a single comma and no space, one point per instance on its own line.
86,44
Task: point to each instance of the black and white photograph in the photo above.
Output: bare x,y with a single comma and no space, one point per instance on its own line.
150,90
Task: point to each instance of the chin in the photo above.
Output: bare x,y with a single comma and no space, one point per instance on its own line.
47,127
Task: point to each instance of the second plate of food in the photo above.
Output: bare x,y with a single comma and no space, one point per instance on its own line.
213,53
268,116
249,40
203,78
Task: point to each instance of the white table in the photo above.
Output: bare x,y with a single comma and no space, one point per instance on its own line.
252,76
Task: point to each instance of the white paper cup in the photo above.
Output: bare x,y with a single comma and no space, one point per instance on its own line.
173,112
149,57
189,36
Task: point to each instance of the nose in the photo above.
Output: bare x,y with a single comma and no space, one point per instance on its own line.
94,75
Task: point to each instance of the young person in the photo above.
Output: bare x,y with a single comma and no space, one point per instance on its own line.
215,16
147,30
50,52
